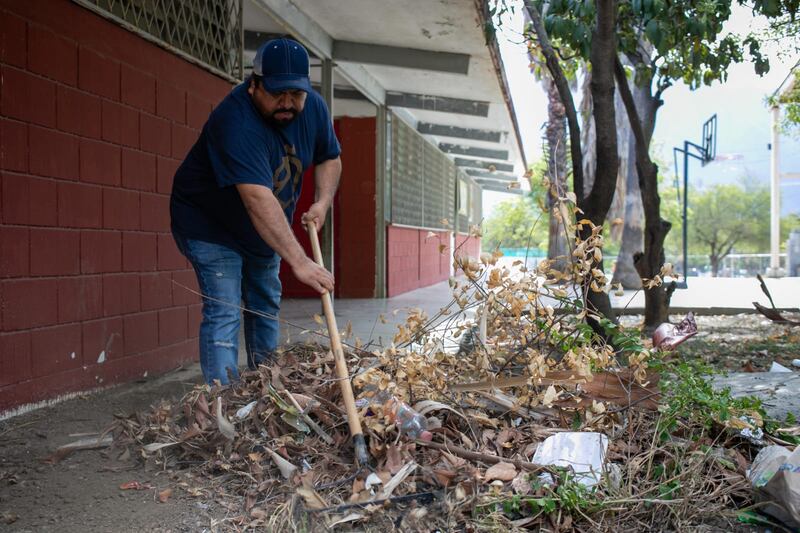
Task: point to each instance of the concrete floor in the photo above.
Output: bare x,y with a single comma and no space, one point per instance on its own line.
703,296
721,295
364,314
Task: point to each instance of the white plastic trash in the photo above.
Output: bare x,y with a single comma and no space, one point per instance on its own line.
775,476
585,452
777,367
796,363
244,412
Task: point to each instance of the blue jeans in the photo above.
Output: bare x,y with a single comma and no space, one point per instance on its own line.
230,279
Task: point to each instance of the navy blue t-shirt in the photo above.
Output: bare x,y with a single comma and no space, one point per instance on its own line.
238,146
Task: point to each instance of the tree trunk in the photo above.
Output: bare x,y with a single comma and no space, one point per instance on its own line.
657,299
596,204
633,231
588,132
648,263
633,227
714,266
588,137
556,136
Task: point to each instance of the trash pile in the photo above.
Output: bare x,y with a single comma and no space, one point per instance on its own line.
532,422
277,445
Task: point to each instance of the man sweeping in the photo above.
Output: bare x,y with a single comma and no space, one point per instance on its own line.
233,200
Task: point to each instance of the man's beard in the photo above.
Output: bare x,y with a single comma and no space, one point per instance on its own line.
282,122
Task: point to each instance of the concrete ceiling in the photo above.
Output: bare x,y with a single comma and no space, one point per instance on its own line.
451,26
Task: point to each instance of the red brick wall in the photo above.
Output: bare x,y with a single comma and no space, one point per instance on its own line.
94,120
414,259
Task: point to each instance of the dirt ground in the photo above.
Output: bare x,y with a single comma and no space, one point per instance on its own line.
739,343
82,492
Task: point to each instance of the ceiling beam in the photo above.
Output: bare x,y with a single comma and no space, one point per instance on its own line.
364,82
302,27
442,104
490,175
254,39
487,165
473,134
396,99
497,187
375,54
395,56
343,93
473,151
319,42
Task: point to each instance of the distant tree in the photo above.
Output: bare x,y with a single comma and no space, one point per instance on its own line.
790,104
724,216
515,223
549,177
789,223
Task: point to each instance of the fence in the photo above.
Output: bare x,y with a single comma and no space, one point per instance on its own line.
733,266
206,32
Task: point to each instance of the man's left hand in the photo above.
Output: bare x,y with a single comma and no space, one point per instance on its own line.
316,214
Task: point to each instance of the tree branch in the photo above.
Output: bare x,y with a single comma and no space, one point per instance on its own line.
565,94
663,85
725,254
562,56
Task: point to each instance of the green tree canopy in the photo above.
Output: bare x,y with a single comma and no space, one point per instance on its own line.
728,216
516,223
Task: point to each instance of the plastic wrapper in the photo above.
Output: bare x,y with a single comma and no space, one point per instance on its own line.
775,476
585,452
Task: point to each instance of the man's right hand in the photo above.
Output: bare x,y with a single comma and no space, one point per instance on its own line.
314,276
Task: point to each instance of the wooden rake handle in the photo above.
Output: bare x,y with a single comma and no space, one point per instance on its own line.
338,355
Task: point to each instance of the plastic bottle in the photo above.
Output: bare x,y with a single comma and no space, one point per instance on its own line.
409,422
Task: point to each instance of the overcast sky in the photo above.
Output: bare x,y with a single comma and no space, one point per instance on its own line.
743,119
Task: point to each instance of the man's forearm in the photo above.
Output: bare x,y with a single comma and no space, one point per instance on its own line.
326,180
270,222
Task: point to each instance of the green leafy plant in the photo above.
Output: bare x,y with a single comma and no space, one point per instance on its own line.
692,402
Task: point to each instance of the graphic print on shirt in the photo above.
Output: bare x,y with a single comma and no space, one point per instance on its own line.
289,171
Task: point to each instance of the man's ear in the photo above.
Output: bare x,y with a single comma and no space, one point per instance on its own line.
251,87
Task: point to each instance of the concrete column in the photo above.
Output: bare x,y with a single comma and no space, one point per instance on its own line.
774,269
380,201
326,240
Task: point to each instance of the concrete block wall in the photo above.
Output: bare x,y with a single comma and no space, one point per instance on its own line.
414,259
94,121
467,245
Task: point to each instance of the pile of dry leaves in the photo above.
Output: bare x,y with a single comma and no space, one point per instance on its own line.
275,450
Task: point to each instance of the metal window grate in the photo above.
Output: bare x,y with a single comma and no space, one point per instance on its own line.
206,32
423,180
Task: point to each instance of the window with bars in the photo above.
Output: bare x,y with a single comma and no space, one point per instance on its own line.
207,32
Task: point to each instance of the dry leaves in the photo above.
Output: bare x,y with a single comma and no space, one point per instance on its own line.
135,485
501,471
164,495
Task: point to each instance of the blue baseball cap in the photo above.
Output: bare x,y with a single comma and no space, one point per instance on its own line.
283,65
